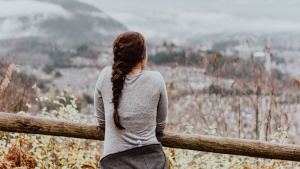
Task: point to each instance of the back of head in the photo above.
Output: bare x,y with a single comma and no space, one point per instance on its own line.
129,49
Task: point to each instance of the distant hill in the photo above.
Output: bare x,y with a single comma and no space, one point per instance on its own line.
65,22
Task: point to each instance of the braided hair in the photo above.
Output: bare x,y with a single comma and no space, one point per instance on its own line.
129,49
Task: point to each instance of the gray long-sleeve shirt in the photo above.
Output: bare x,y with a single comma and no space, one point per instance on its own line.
142,109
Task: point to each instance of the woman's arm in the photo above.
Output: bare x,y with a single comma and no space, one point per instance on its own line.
98,100
99,108
162,107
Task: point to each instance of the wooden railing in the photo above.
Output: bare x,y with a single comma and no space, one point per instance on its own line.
253,148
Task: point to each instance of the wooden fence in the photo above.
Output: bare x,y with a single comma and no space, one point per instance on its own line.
253,148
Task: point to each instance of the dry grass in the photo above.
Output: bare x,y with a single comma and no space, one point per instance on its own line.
15,88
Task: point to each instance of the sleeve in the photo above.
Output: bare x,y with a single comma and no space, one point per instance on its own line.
99,112
162,107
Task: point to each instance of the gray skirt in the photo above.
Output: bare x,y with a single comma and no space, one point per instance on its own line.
145,157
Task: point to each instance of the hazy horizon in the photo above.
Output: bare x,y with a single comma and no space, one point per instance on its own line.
177,20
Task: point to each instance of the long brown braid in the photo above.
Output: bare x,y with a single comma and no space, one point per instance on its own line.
129,49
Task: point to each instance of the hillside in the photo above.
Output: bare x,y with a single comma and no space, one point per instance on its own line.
66,22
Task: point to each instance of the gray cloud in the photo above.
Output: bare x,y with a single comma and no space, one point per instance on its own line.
15,8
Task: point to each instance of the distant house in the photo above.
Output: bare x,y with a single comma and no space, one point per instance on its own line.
265,57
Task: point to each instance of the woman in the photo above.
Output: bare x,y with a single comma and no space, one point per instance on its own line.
131,105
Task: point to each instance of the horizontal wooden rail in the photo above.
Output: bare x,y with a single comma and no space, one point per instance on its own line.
253,148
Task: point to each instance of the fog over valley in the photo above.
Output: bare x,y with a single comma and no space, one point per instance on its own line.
182,20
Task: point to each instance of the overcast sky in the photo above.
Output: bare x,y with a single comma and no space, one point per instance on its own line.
176,18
